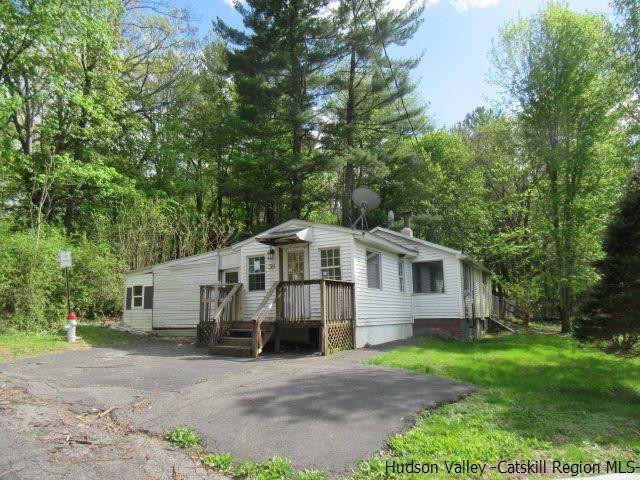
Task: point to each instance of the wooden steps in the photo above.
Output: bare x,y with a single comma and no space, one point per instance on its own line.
238,341
504,324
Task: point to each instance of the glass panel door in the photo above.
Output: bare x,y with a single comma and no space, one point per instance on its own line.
295,264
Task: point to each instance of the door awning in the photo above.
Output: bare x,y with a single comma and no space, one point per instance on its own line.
286,237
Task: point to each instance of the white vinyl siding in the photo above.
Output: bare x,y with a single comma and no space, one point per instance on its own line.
252,298
177,291
138,317
478,301
435,305
382,314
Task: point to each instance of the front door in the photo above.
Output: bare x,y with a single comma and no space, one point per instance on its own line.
296,268
296,264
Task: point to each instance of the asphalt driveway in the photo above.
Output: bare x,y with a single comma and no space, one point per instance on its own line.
321,412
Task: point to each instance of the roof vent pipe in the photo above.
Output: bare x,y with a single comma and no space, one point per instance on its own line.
407,224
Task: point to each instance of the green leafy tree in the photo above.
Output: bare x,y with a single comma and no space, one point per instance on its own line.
612,309
557,68
628,38
442,190
511,244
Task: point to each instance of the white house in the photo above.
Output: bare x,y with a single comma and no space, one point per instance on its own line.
313,283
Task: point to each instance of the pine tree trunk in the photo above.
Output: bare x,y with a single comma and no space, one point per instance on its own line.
349,169
297,95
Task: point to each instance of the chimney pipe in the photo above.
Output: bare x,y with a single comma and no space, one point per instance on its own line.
407,224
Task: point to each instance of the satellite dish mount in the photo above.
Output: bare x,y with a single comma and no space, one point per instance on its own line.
365,199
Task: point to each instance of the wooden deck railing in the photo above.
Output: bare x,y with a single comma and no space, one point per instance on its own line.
326,304
266,305
329,304
220,305
504,309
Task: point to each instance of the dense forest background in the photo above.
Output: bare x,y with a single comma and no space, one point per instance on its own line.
129,140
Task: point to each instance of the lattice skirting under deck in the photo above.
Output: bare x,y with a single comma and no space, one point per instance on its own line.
204,332
339,336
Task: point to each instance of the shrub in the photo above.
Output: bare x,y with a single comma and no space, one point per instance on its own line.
32,286
182,437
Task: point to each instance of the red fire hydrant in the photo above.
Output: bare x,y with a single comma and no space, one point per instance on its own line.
70,327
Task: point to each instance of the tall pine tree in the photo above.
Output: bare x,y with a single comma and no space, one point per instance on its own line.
372,88
279,66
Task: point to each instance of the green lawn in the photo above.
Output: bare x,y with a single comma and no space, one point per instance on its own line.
14,344
541,396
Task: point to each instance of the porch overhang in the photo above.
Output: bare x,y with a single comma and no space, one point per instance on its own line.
287,237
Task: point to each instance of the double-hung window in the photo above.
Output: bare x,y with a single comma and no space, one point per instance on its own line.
428,277
137,296
373,270
256,273
330,264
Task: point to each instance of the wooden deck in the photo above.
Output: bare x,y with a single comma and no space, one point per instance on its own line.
325,304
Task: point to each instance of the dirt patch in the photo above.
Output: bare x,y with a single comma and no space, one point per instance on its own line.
47,439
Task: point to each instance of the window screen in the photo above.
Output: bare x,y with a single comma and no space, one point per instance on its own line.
428,277
373,270
468,279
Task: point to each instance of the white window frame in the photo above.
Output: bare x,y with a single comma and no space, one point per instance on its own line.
134,296
401,276
250,261
337,267
444,283
366,258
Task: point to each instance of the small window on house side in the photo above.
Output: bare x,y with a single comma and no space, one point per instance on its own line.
401,275
428,277
230,277
373,270
330,264
137,296
467,278
256,273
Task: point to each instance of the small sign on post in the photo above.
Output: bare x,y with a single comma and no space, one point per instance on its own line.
65,259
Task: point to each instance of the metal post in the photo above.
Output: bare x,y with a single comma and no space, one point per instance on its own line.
66,276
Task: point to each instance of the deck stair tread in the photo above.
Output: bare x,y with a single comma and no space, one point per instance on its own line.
504,324
238,340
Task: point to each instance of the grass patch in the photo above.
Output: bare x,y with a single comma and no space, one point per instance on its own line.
543,396
220,461
15,344
182,437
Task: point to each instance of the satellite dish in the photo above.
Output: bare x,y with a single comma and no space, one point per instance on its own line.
390,218
365,198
